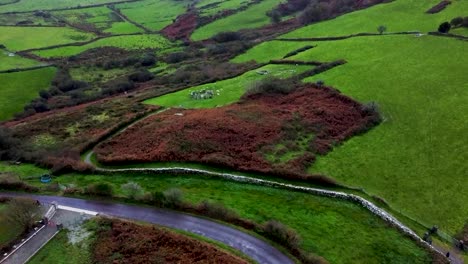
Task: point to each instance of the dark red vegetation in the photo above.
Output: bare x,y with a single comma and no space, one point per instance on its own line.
439,7
241,135
125,242
183,27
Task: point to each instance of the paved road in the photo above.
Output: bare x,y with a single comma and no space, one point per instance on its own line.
253,247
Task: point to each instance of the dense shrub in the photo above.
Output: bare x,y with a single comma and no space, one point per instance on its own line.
270,85
444,27
141,76
11,182
100,189
456,22
281,234
177,57
173,198
148,60
132,189
217,210
295,52
226,37
9,145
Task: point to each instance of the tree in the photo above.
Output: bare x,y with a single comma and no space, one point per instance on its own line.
22,212
456,22
381,29
444,27
275,16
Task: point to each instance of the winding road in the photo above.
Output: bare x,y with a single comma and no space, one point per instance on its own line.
255,248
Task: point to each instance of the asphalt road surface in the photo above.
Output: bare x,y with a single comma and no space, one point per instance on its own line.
255,248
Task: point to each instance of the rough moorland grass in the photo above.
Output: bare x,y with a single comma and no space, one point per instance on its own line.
12,19
60,251
154,15
416,159
22,38
132,42
341,232
399,15
19,88
101,18
211,7
31,5
253,17
230,90
14,62
8,231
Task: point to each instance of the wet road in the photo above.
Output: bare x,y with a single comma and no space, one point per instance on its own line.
253,247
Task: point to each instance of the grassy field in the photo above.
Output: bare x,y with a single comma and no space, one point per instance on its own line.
14,62
154,15
339,231
101,18
132,42
399,15
8,231
12,19
22,38
60,251
19,88
31,5
253,17
211,7
230,90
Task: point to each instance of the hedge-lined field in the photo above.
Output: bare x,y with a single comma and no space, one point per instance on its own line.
253,17
154,15
22,38
14,62
229,90
19,88
12,19
211,7
31,5
100,18
399,15
131,42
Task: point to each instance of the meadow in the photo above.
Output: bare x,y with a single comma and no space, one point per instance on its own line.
230,90
100,18
342,232
154,15
19,88
211,7
253,17
22,38
14,62
31,5
131,42
13,19
397,16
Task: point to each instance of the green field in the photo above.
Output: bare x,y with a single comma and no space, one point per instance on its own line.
8,231
253,17
101,18
22,38
211,7
132,42
154,15
399,15
60,251
230,90
13,61
30,5
12,19
19,88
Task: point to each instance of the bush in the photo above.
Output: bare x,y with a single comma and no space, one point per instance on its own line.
381,29
11,182
148,60
456,22
226,37
217,210
100,189
141,76
177,57
132,190
173,198
281,234
444,27
271,85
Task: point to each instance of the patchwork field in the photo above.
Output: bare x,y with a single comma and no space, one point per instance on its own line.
19,88
12,61
22,38
154,15
253,17
211,7
25,19
132,42
30,5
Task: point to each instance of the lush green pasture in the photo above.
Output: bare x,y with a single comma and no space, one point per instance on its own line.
22,38
19,88
341,232
8,230
131,42
399,15
229,90
211,7
253,17
60,251
416,159
31,5
14,62
154,15
101,18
